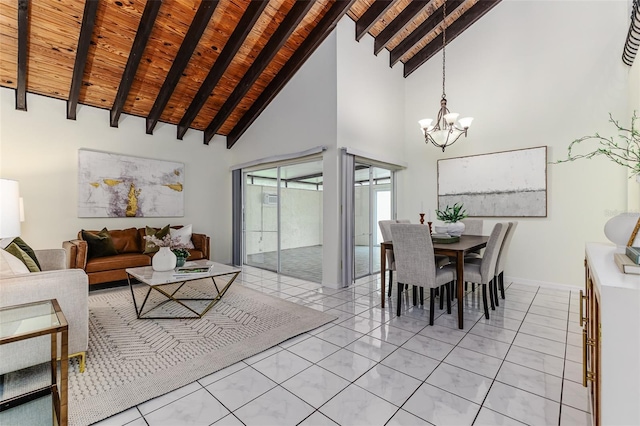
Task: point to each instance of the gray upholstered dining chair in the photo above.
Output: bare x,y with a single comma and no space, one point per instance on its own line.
472,226
502,258
416,264
483,271
386,236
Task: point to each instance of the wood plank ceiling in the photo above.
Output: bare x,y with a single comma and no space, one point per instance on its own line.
207,65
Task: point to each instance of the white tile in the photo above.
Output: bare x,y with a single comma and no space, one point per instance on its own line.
317,419
441,408
239,388
408,323
347,364
573,371
356,406
140,421
378,314
530,380
488,417
228,420
393,335
197,408
276,407
539,344
554,313
262,355
509,313
314,349
120,419
574,353
511,305
315,385
389,384
575,395
281,366
521,405
155,403
221,374
428,346
404,418
560,324
294,340
340,315
486,346
569,416
562,307
444,334
451,321
340,336
501,322
537,360
474,361
544,332
492,332
371,348
574,339
361,324
411,363
463,383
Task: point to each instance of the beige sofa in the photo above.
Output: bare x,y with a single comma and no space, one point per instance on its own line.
69,286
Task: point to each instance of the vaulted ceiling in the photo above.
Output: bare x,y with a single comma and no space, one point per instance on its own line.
206,65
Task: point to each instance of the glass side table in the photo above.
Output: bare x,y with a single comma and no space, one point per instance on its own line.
22,322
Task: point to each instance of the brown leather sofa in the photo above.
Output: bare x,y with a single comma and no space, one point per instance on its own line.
130,245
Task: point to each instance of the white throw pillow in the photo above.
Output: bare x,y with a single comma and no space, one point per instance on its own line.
11,265
183,235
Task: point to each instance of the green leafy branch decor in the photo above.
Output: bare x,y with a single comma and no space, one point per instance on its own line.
625,151
452,214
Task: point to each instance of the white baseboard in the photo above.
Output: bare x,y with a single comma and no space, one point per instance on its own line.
546,284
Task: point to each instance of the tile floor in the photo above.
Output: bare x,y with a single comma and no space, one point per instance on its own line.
369,367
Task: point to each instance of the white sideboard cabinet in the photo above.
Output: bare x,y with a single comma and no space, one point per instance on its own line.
610,315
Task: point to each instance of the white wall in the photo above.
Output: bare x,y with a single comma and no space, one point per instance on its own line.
39,148
532,73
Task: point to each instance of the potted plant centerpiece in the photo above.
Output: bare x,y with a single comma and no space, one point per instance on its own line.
181,255
452,215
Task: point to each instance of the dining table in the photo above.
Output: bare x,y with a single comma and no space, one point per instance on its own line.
456,250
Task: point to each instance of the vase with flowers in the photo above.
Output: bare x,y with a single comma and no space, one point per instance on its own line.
166,257
452,215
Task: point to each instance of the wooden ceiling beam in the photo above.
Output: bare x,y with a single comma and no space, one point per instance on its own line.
371,16
137,49
223,61
82,51
467,19
189,44
412,10
23,41
299,57
277,40
419,33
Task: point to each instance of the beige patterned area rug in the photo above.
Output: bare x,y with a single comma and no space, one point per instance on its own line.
132,360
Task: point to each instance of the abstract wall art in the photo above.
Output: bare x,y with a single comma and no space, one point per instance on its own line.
501,184
114,185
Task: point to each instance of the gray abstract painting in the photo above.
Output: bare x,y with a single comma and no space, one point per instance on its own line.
114,185
502,184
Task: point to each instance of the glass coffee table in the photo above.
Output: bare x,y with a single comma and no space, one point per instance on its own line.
181,296
36,400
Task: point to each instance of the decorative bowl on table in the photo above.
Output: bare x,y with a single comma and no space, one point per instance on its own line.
441,229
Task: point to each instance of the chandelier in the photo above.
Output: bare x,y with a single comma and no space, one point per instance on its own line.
447,128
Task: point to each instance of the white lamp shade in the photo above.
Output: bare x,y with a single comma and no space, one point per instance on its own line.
21,210
451,117
425,122
465,122
9,208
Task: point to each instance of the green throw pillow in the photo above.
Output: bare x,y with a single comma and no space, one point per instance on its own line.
149,247
15,250
25,247
99,244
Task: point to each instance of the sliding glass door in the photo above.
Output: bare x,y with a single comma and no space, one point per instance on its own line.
283,219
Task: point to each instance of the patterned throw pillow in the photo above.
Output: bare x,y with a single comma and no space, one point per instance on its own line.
149,247
11,265
99,244
23,257
183,235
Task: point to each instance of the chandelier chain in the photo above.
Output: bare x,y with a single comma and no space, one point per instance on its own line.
444,43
